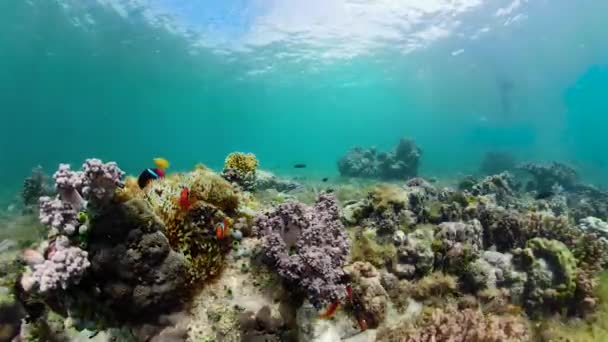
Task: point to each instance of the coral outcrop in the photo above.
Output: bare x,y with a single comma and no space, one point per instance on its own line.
191,231
400,164
415,256
368,296
551,270
456,244
240,168
308,246
266,180
132,262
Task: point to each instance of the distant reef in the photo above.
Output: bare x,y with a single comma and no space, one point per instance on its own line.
402,163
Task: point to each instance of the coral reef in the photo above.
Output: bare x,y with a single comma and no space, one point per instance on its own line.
494,162
400,164
240,168
308,246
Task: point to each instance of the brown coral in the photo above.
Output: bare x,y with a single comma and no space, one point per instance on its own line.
453,325
369,297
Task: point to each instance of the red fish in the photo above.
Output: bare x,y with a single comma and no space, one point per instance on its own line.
331,309
184,199
349,292
222,229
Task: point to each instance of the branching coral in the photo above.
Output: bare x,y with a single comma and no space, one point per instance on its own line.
452,325
308,246
65,265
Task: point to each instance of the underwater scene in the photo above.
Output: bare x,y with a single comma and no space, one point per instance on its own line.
303,170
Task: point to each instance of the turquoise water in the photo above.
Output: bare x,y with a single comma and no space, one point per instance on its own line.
301,83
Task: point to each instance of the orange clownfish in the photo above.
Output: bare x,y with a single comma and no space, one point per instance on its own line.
184,199
222,229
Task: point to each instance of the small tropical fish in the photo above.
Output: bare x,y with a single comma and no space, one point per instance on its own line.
148,175
184,199
324,179
299,166
161,163
331,309
222,229
349,292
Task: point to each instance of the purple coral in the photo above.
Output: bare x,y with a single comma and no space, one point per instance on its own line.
65,265
96,183
58,214
69,184
100,180
308,246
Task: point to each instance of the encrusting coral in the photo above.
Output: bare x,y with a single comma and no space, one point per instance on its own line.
308,246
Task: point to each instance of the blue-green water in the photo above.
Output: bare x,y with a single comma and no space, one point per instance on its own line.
81,80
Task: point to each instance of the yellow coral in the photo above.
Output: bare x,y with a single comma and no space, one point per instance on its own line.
388,196
191,232
242,162
367,248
